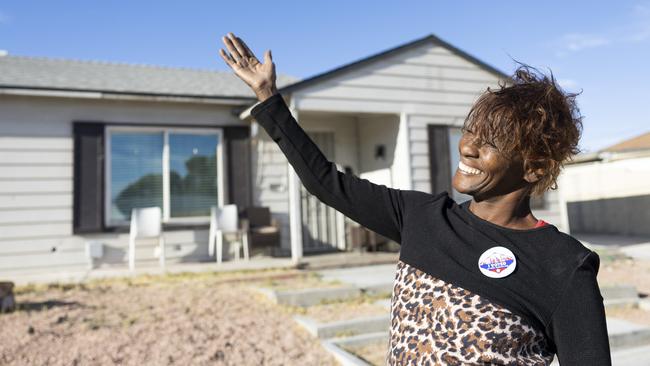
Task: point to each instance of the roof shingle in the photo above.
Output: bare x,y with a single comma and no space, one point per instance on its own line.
65,74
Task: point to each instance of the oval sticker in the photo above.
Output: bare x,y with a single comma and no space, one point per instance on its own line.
497,262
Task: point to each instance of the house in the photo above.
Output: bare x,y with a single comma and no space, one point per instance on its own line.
607,192
81,143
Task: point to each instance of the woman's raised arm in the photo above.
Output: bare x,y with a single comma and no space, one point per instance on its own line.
374,206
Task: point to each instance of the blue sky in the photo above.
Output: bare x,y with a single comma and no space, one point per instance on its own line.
600,47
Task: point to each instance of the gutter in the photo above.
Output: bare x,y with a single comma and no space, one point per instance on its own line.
126,96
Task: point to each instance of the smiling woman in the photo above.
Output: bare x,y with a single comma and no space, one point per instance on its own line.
483,282
531,123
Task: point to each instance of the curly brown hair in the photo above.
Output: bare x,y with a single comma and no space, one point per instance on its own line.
532,118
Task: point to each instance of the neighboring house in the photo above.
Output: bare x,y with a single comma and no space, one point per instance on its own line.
81,143
608,192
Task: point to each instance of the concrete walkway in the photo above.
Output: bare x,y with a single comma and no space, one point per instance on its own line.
309,262
363,277
81,276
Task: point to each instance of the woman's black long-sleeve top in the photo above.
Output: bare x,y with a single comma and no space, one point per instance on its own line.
553,289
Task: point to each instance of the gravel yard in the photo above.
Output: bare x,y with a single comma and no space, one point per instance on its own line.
203,319
174,320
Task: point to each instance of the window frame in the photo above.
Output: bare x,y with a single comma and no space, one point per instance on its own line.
166,199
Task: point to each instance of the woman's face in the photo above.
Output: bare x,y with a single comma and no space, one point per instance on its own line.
485,172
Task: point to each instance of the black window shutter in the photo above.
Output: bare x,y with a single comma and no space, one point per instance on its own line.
88,185
439,160
238,165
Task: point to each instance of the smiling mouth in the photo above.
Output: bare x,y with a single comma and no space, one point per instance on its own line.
468,169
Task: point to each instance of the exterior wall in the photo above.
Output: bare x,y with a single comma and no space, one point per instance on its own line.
373,131
419,150
427,85
36,173
608,197
429,80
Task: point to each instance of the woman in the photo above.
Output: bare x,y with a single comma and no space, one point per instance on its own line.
483,282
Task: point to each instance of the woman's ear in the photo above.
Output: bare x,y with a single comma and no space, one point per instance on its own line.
534,170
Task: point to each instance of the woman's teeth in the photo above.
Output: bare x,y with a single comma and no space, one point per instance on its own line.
468,169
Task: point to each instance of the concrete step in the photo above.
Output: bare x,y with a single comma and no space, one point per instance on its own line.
349,327
310,296
625,334
345,358
348,259
363,277
620,296
636,356
629,342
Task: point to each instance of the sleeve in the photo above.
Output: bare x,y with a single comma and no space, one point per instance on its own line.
578,325
374,206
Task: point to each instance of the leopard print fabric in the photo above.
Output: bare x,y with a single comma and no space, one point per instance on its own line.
436,323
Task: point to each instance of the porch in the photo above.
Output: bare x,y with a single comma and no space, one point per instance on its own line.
370,145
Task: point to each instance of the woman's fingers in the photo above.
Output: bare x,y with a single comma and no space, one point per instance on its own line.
226,57
246,48
238,46
231,48
268,58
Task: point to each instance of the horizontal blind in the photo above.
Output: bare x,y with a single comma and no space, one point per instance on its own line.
193,173
136,169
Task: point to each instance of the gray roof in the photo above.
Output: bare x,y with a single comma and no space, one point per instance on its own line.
21,72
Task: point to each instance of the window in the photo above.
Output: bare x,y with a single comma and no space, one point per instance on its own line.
178,170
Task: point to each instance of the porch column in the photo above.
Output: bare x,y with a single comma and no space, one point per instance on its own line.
295,212
401,171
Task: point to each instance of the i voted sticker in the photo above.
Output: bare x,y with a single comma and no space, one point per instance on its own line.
497,262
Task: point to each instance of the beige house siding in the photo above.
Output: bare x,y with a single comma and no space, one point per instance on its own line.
36,173
428,85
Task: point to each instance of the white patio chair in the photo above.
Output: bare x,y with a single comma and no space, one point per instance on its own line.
146,223
223,221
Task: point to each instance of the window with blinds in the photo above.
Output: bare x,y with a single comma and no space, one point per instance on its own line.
176,170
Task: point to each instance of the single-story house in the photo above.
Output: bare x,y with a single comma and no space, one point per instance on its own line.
82,143
607,192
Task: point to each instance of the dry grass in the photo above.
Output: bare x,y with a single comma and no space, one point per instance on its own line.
186,319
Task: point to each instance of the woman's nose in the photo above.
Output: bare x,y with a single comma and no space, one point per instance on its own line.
467,146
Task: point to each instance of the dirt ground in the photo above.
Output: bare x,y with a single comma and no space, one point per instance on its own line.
181,320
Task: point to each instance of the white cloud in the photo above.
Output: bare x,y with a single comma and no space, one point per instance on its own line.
577,42
636,30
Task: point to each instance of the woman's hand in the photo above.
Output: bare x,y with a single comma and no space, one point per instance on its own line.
259,76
